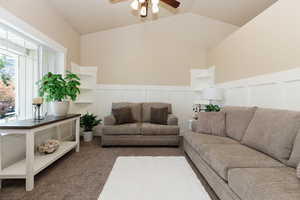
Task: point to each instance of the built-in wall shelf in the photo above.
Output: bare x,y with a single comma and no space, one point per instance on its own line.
84,75
88,79
86,88
198,89
202,78
83,102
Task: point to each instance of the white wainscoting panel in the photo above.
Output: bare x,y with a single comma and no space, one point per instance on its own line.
275,90
181,98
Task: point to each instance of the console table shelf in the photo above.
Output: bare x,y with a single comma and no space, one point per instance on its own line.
41,161
35,162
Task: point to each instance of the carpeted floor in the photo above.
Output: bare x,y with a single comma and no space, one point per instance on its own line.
81,176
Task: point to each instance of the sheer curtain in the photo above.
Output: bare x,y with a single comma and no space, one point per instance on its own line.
48,63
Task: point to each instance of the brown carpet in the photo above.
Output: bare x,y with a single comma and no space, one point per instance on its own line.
81,176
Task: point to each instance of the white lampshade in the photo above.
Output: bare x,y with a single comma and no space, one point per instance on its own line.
214,94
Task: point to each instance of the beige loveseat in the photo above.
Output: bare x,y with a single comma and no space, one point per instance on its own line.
142,132
257,159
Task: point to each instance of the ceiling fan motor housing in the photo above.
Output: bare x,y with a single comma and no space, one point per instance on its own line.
144,5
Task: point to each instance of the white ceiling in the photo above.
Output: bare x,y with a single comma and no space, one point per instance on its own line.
88,16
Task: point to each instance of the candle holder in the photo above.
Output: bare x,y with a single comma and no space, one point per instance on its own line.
37,112
37,103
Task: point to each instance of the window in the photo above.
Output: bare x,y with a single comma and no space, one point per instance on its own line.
8,66
23,62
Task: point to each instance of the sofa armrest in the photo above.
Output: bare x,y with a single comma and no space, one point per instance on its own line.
109,120
172,120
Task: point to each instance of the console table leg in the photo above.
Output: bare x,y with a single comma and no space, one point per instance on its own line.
0,184
77,134
29,161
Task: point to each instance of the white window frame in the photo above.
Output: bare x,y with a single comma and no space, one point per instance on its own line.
31,33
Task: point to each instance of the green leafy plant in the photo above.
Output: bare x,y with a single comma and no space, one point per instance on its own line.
55,87
89,121
212,108
4,76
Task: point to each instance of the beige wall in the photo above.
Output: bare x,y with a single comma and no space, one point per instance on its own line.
269,43
41,15
156,53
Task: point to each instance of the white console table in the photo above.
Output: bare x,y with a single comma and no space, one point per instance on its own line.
36,162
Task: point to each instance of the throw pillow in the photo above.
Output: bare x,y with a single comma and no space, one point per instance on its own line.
123,115
203,124
211,123
159,115
294,159
298,171
273,132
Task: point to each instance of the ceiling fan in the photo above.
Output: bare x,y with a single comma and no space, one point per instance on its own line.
144,5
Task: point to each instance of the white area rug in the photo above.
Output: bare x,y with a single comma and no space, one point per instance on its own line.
153,178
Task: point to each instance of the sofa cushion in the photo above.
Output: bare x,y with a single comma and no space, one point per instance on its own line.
224,157
136,109
198,140
265,183
273,132
146,109
294,159
123,129
123,115
159,115
157,129
237,120
211,123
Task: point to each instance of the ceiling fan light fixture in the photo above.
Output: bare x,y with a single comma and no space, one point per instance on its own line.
135,5
143,11
142,6
155,8
155,2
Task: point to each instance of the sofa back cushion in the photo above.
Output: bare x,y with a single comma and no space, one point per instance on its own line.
294,159
146,109
237,120
273,132
211,123
136,109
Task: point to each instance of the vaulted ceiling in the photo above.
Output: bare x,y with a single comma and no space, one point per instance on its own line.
87,16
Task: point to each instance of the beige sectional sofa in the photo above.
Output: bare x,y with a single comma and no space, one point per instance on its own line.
142,132
256,160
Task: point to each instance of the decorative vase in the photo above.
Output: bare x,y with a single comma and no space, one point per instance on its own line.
88,136
50,146
59,108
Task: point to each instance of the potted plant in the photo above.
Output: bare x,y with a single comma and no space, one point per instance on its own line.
58,90
212,108
88,122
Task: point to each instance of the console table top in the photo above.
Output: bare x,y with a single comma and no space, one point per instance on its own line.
31,123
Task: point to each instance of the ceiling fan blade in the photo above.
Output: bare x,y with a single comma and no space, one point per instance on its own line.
173,3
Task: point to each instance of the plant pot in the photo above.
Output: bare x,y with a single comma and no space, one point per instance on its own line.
59,108
88,136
